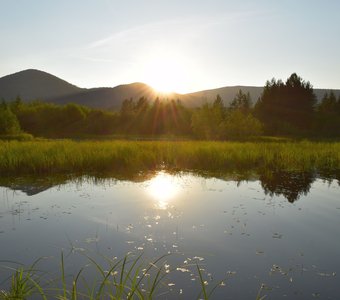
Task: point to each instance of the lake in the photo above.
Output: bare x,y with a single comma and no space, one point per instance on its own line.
275,232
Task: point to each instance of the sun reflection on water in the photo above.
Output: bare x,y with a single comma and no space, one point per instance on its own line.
163,188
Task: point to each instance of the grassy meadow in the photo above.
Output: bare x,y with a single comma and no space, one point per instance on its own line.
87,157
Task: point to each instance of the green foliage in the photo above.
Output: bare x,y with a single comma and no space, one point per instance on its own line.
69,157
240,125
290,103
328,116
207,121
215,122
127,278
74,113
55,121
25,283
143,117
329,104
17,137
98,122
158,117
241,102
8,121
284,108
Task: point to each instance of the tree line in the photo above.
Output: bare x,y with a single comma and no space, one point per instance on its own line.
142,117
284,108
291,108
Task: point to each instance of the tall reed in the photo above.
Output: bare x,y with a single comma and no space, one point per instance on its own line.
66,156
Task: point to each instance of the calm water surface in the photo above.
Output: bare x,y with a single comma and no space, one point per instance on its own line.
283,234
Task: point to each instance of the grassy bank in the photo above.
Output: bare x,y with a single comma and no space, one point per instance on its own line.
65,156
17,137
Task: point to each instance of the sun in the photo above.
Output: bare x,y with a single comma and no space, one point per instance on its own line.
162,188
165,71
163,75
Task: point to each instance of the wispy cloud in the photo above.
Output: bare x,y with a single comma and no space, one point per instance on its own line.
137,33
94,59
175,28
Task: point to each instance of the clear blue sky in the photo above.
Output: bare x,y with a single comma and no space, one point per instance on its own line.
183,45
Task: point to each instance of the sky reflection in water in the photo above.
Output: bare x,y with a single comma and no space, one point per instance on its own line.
242,232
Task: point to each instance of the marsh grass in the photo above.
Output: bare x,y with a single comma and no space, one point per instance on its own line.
127,278
24,283
204,291
259,296
86,157
17,137
123,279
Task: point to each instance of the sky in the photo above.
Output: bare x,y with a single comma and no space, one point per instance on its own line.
174,45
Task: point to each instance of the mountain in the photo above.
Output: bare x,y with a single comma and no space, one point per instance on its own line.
227,94
38,85
34,84
110,98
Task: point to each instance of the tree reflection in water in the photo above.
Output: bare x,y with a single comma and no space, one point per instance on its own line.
289,184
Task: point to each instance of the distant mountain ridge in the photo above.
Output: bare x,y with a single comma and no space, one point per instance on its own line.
33,84
109,98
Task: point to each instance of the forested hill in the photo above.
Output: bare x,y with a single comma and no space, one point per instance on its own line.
34,84
110,98
228,93
38,85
